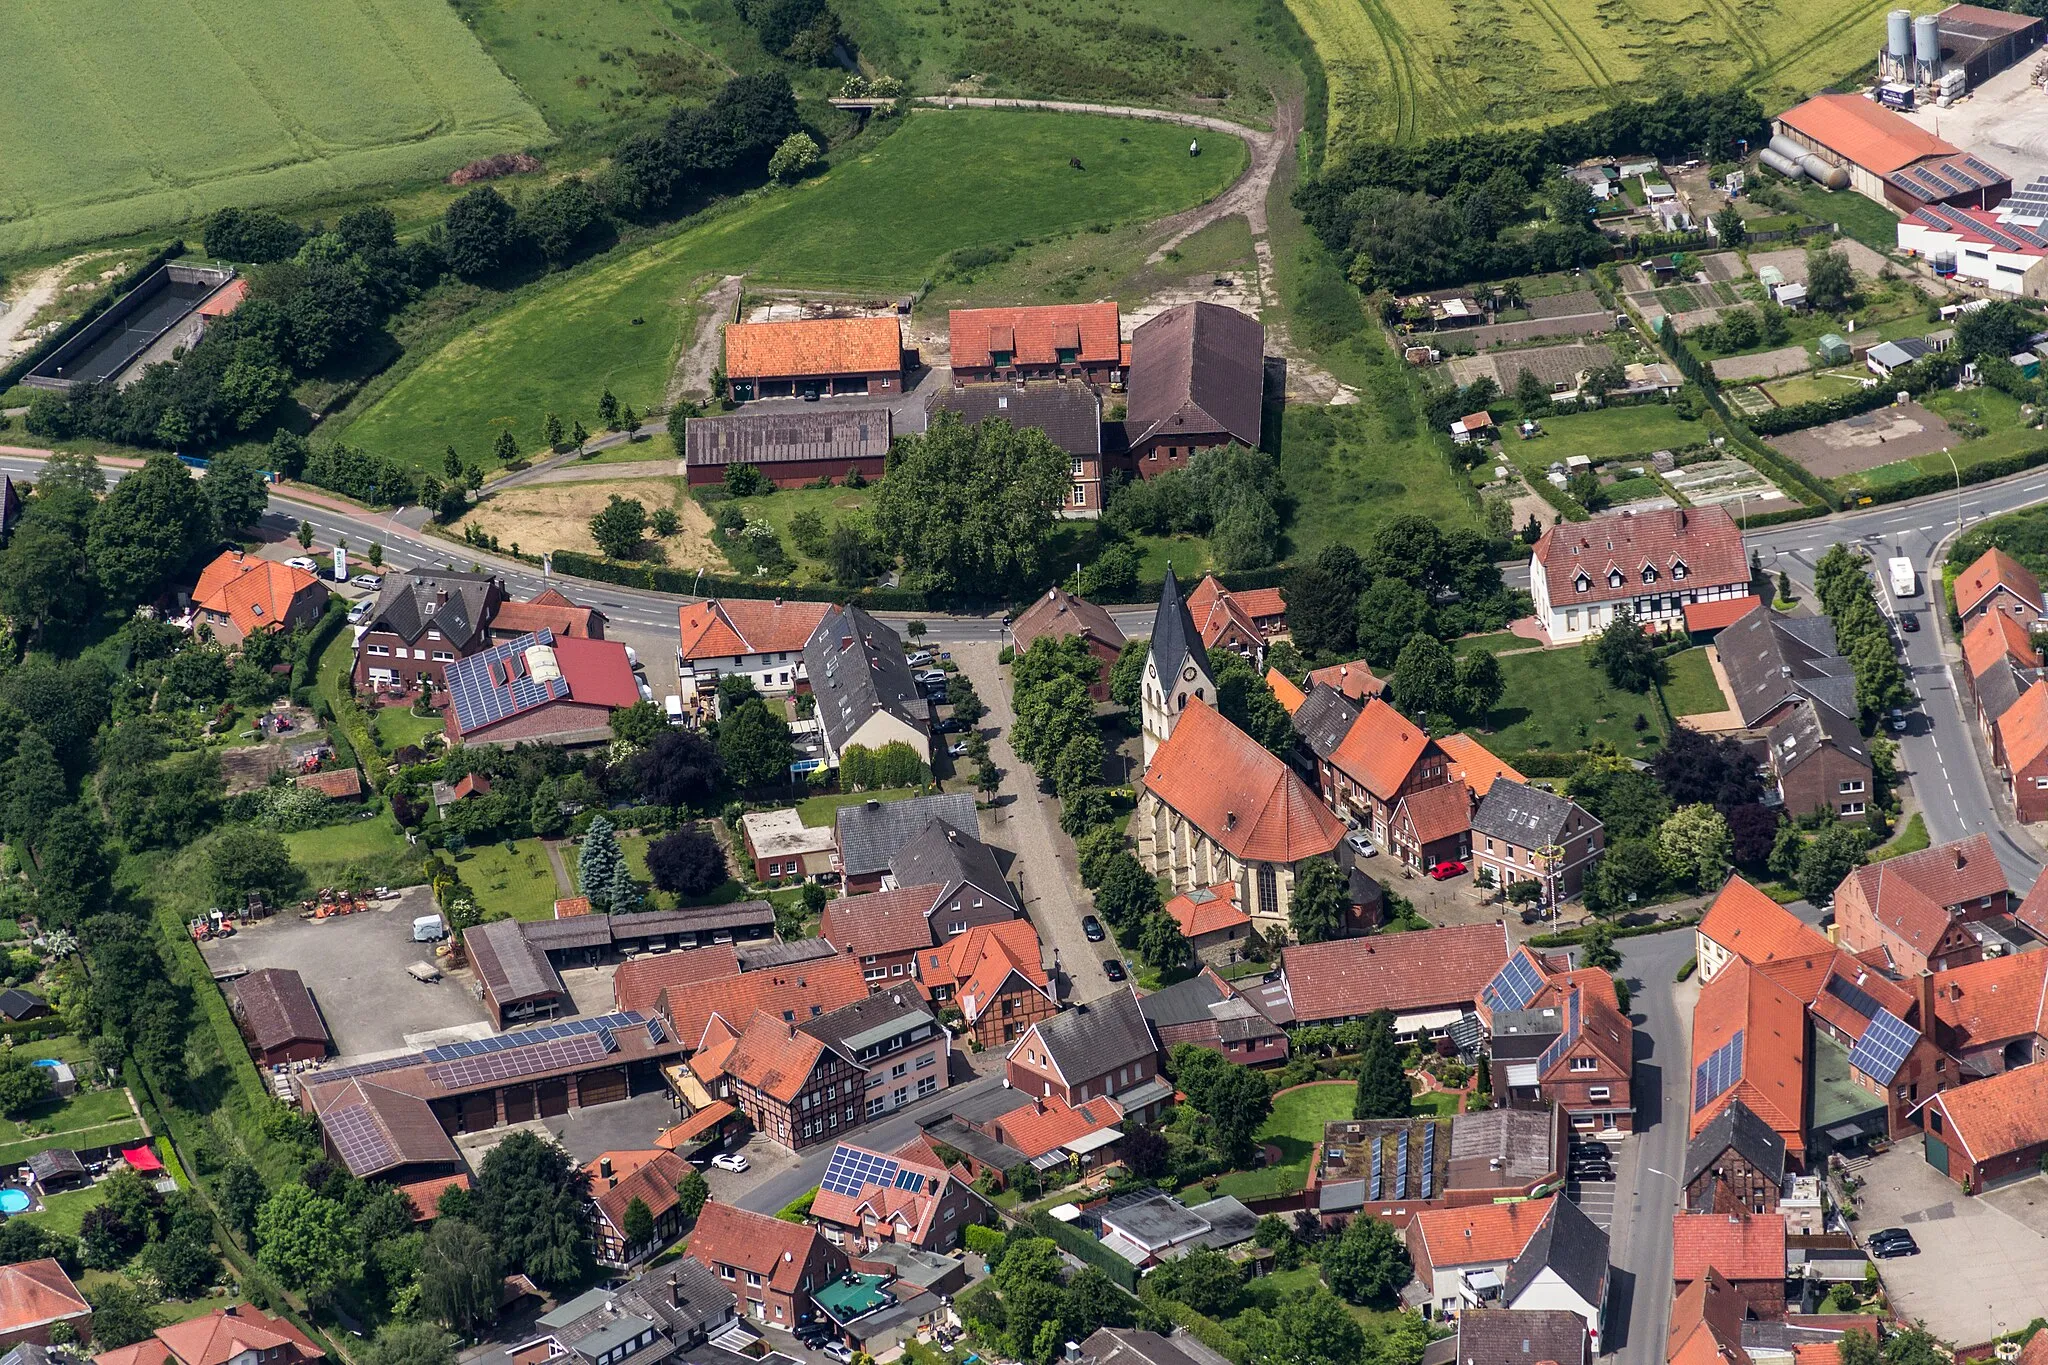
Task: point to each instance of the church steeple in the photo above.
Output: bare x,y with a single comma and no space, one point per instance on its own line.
1176,668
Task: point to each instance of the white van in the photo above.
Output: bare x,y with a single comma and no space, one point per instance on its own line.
673,705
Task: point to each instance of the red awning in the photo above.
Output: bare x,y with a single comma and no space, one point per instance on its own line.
1716,615
141,1159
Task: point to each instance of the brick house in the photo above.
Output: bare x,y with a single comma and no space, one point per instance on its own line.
1919,908
1516,826
1735,1164
34,1297
616,1180
1749,1043
239,1335
1382,758
1101,1048
794,1087
1060,614
972,889
548,610
1057,341
1242,621
278,1017
539,688
1821,762
1211,922
424,622
1746,1249
1996,579
781,846
239,595
1080,1134
1427,979
2000,658
885,930
1655,564
1745,923
2022,735
789,449
1432,826
869,1198
995,973
870,834
1991,1131
1706,1329
866,694
1558,1038
896,1041
814,357
1197,379
760,640
772,1267
1846,999
1205,1011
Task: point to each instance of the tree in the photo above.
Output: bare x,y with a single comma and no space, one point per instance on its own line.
1127,677
794,159
1144,1152
235,490
304,535
146,529
529,1202
1753,831
45,577
243,859
1859,1348
1237,1101
1383,1091
619,528
480,234
1308,1327
1599,947
1996,332
1390,613
1050,716
1160,941
1322,611
34,789
1128,894
1368,1264
1696,767
1696,845
638,725
1426,680
1204,1279
1078,765
1623,798
1480,684
972,509
1831,855
123,1313
1247,702
599,861
754,745
240,1193
679,769
410,1343
1624,653
691,1192
305,1240
23,1085
623,897
561,218
638,1223
551,429
1316,909
1728,225
460,1275
688,862
1829,281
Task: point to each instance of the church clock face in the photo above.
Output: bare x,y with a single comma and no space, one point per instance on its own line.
1188,673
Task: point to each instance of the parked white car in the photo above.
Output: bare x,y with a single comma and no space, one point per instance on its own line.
303,562
729,1161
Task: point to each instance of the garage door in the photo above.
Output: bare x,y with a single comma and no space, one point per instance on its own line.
602,1087
554,1098
519,1105
1937,1154
479,1112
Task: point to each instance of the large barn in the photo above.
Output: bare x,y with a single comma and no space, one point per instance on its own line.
813,358
792,449
1889,158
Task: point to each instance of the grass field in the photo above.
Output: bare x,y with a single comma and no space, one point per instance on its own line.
1554,701
370,850
2005,433
1348,470
882,221
121,117
1613,432
513,877
1405,72
1691,689
90,1118
1093,265
397,725
1296,1127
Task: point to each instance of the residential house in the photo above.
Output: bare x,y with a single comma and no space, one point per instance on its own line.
1991,1131
278,1017
790,449
1239,621
2022,746
1428,979
17,1005
868,1198
1570,1048
539,689
639,982
870,833
1146,1227
971,886
1776,662
1205,1011
1215,806
1354,680
1471,763
2002,662
1432,826
1522,833
1127,1346
1651,563
1197,379
1063,341
1989,1015
773,1267
898,1042
1104,1047
1996,579
1493,1156
799,991
1177,669
1821,762
617,1179
239,595
1545,1255
34,1297
1749,1043
423,622
1060,614
1509,1336
1382,758
814,357
795,1088
549,610
1322,720
865,691
1069,414
650,1320
762,641
782,847
885,930
1871,1020
1047,1131
1735,1164
1745,1249
1920,908
237,1335
1563,1268
1284,691
1745,923
1706,1325
995,974
1211,922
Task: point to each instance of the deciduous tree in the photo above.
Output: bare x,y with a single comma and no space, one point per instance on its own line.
1624,653
1368,1264
1316,909
688,862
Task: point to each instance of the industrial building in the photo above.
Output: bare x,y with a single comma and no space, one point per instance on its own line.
1941,56
1883,156
1988,250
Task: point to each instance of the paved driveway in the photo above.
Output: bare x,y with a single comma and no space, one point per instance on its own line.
1983,1263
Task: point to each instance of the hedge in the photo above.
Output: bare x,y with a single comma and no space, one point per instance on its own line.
324,630
1567,938
1926,485
1202,1328
98,304
1929,372
1083,1247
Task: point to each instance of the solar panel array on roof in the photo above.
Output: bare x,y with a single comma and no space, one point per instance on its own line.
527,1037
1377,1182
851,1170
2005,236
1717,1075
508,1063
355,1134
1852,995
497,683
1401,1165
1574,1021
2029,202
1429,1161
342,1073
1882,1050
1513,986
1947,177
907,1179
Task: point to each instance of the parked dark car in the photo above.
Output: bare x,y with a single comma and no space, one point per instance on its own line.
1092,927
1591,1149
1114,970
1909,623
1885,1251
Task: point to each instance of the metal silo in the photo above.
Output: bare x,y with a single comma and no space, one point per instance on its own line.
1927,45
1899,35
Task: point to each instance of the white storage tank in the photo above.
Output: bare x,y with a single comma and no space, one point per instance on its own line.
1927,44
1782,164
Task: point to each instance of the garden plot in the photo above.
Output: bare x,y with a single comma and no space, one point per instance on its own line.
1576,302
1786,360
1868,440
1749,400
1553,365
1712,483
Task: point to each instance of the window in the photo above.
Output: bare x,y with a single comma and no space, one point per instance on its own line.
1597,1092
875,1106
1649,573
1585,1063
753,1280
433,635
926,1085
1614,578
1855,786
726,1272
1077,466
1582,583
1852,808
927,1061
899,1096
1269,889
443,656
1080,496
381,650
1571,619
898,1070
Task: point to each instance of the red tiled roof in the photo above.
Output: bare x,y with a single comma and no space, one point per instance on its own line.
984,959
1207,910
1033,334
1771,1078
1425,969
696,1125
225,299
1039,1126
1745,1246
1605,1029
774,1250
1215,609
640,981
1704,539
1380,749
1806,978
803,990
597,671
1706,1324
1354,680
1289,696
1871,136
1237,793
1480,1234
425,1195
256,594
36,1293
573,907
1995,637
1474,765
1830,1353
649,1175
1992,570
813,346
1910,894
564,618
912,1209
1437,813
1751,925
1992,1000
474,784
1059,614
1999,1114
2023,729
1714,615
893,921
774,1057
729,629
148,1351
337,784
222,1335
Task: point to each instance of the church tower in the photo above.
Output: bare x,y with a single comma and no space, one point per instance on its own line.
1177,668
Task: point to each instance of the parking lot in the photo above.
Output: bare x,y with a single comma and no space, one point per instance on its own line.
355,966
1983,1263
1595,1199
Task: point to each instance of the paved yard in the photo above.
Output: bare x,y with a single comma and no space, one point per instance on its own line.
1595,1199
590,988
355,967
624,1126
1983,1263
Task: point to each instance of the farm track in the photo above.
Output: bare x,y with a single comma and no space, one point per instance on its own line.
1407,97
1577,48
1739,33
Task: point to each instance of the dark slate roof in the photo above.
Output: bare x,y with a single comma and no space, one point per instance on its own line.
508,966
696,919
578,931
30,1353
277,1009
823,432
941,855
1807,729
870,833
1572,1245
856,668
1128,1346
1197,368
1152,1218
683,1296
1089,1040
1521,814
1185,1002
1771,658
410,601
864,1023
1070,414
1174,636
952,1132
1324,719
1999,689
56,1163
1738,1127
20,1004
756,957
1508,1336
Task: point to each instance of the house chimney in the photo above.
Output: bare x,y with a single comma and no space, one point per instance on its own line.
1959,857
873,803
604,1170
1073,1350
1923,992
778,600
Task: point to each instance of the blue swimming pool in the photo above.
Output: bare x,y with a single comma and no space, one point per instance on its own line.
13,1201
48,1061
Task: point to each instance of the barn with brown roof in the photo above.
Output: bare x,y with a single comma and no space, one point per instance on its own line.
1989,1132
278,1017
1197,379
813,357
789,448
1055,341
1428,979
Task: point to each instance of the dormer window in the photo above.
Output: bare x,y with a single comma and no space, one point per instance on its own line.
1614,578
1649,573
1582,583
1678,569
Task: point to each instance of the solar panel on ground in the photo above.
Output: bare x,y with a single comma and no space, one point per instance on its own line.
355,1134
1882,1049
1513,986
1852,995
852,1170
509,1063
1715,1076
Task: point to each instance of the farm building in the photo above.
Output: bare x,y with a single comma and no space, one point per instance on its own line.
1069,414
1197,379
1890,159
813,357
1963,42
539,688
791,449
278,1017
550,610
1996,253
1064,341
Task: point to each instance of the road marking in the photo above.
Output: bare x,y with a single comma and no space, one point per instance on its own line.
1654,1171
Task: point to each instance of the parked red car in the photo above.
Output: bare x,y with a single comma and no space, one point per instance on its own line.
1443,872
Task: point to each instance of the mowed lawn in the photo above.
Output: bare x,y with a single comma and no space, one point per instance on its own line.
944,181
1690,689
1611,433
90,1118
122,116
1296,1127
1554,701
1350,470
513,877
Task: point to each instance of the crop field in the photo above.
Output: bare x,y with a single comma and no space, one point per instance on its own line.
884,221
121,116
1409,71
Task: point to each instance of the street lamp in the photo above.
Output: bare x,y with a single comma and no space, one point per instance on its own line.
1959,488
